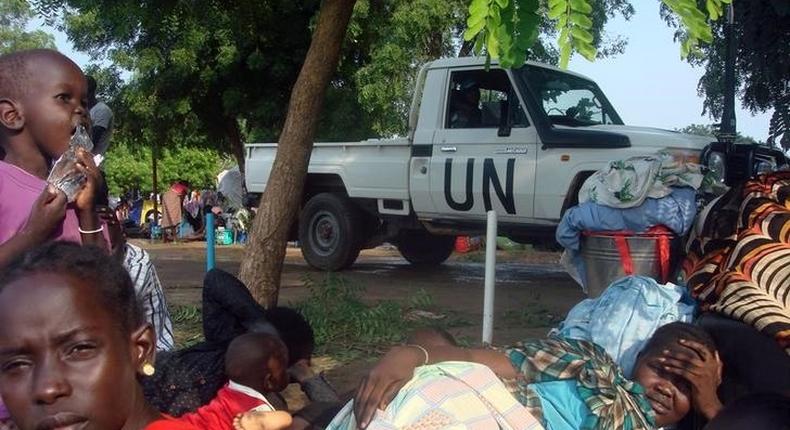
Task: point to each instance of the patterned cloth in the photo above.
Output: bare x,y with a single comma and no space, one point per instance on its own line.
738,261
450,395
642,304
615,402
627,183
149,292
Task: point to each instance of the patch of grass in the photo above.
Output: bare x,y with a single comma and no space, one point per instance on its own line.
187,325
532,315
347,328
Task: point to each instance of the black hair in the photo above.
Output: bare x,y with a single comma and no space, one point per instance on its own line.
667,337
91,85
15,75
88,263
295,332
248,356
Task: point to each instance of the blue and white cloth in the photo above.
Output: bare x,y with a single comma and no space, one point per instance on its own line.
626,315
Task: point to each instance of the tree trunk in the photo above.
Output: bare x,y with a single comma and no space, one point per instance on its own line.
236,144
263,261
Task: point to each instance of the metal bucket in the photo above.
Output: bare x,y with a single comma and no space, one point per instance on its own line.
604,264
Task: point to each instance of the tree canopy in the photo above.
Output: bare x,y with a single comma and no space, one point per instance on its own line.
14,17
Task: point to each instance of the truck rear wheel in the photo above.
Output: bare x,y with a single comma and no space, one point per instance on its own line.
329,232
421,248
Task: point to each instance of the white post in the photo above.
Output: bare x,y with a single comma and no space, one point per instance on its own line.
490,279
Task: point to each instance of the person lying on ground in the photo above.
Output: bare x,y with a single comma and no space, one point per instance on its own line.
255,363
73,343
572,384
189,378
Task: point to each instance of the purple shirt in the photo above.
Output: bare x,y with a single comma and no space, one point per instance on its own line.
18,191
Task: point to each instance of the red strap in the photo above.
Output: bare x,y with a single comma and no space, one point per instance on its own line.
663,257
625,254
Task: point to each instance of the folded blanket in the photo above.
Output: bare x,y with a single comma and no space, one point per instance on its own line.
450,395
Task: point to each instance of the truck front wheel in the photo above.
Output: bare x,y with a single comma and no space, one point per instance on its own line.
329,232
421,248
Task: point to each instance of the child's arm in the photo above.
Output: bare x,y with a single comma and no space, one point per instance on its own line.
47,212
86,208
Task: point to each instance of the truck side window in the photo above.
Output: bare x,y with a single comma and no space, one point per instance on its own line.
477,99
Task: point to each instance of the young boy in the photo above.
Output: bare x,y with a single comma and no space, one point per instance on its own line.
255,363
42,101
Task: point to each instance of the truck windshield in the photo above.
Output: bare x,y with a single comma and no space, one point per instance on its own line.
567,99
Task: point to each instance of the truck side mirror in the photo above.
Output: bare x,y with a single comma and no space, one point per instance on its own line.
505,122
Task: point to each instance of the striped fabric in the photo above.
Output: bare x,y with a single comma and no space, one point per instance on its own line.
149,292
452,396
741,268
615,401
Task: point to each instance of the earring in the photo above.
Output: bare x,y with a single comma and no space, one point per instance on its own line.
148,369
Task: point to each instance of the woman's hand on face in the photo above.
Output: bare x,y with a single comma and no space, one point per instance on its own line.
383,382
702,369
85,164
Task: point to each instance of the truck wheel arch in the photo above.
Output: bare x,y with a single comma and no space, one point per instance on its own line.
572,197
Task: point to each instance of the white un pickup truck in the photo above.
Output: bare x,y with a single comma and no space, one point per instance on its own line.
520,142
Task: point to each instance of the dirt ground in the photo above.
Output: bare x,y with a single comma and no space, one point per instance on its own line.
532,291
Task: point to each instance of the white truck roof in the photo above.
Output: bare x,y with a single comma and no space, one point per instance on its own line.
444,63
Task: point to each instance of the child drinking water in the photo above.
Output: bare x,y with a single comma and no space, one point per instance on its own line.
42,102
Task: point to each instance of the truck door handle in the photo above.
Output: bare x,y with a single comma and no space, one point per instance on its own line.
512,150
449,149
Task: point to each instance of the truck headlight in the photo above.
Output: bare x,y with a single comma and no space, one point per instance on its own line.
764,166
717,164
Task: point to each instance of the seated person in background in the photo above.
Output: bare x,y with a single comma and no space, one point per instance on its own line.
570,384
465,106
255,363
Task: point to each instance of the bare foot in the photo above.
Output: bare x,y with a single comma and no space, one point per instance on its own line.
258,420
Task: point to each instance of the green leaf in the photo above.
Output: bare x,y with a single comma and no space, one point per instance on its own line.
473,30
554,3
557,11
478,7
502,3
587,51
581,6
582,34
562,22
494,17
492,45
581,20
713,10
563,38
565,55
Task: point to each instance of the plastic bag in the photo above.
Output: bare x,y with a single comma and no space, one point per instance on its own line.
64,174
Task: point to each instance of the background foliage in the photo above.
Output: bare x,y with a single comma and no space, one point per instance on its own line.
128,167
14,17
